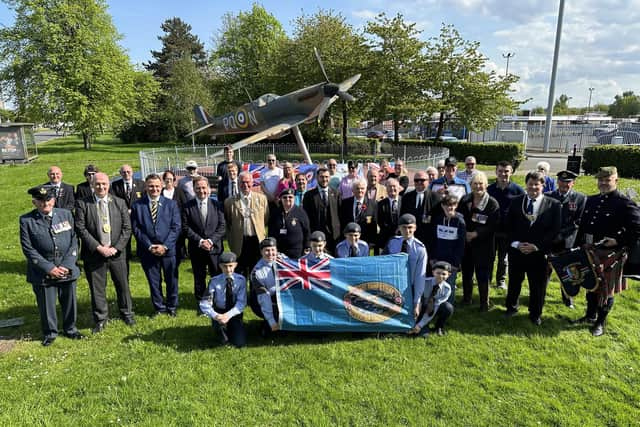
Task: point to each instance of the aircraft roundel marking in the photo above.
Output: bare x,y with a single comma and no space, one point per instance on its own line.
241,119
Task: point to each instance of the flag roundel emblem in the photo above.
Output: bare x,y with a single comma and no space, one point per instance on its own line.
373,302
241,118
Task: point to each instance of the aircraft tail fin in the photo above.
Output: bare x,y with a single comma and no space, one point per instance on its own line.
202,117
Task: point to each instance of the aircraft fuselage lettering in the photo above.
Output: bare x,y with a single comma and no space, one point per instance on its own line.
240,119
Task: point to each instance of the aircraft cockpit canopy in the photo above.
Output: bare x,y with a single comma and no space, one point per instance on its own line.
265,99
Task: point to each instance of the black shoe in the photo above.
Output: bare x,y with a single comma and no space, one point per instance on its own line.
129,321
440,331
467,301
597,330
172,313
48,341
74,336
583,320
536,321
99,327
424,332
510,313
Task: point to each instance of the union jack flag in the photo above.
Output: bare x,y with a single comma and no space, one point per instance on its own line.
293,272
255,170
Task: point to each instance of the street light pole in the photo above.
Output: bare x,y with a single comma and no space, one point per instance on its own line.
508,56
552,85
591,89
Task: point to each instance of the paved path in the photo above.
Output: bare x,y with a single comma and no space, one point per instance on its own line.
45,135
557,161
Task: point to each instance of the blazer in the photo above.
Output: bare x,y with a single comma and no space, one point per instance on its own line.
234,219
195,230
65,199
367,219
83,190
164,232
387,223
542,231
137,191
483,219
88,224
223,189
423,217
381,192
178,196
323,217
571,205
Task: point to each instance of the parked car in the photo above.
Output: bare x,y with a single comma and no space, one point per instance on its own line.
378,134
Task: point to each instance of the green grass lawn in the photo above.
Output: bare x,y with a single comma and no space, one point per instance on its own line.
167,371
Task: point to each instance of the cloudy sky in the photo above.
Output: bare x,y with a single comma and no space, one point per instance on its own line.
600,45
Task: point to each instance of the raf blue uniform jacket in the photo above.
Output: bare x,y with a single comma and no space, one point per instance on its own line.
342,250
46,247
164,232
263,283
417,262
217,296
440,296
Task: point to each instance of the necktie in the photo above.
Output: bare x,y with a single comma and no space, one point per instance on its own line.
105,230
358,209
234,188
394,211
419,201
154,210
405,247
57,192
353,251
203,211
323,196
530,207
228,294
127,189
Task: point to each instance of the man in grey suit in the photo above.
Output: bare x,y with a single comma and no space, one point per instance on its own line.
49,243
103,225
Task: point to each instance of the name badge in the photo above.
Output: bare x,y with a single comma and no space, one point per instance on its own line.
61,227
479,218
447,233
369,219
426,219
283,231
588,238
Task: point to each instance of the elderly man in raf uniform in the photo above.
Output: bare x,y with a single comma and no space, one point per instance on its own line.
50,245
572,205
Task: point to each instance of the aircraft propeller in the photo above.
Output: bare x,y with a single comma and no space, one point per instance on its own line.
333,91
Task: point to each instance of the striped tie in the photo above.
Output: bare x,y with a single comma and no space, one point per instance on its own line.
154,210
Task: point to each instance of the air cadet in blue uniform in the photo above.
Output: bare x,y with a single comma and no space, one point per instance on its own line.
318,244
226,301
262,296
572,205
434,302
352,246
407,243
49,242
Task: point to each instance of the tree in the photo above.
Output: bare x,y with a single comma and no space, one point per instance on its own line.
561,105
625,105
395,77
62,62
458,85
245,56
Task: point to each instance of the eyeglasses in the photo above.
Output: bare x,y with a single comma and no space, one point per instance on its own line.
470,164
330,165
419,180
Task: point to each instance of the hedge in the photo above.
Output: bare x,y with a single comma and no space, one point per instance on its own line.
625,158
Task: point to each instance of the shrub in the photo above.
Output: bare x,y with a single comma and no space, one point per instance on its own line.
625,158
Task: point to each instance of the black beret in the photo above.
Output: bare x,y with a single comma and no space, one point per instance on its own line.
566,176
42,192
352,227
451,161
318,236
444,265
227,258
407,219
287,192
268,242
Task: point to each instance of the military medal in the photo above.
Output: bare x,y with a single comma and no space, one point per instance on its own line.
293,222
106,228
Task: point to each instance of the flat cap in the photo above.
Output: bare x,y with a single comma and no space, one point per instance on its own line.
566,176
287,192
318,236
407,219
268,242
451,161
443,265
607,171
352,227
191,164
42,192
227,258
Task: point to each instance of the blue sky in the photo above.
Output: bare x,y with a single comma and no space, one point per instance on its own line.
600,41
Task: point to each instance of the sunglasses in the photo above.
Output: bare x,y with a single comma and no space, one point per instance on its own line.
419,180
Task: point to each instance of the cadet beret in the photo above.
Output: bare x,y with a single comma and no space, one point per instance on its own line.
607,171
268,242
443,265
407,219
191,164
318,236
42,192
451,161
566,176
352,227
227,258
287,192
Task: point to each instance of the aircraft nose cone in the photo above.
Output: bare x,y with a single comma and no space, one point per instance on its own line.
331,89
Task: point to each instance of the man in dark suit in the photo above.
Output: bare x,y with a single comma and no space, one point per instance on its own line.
50,245
203,224
222,169
389,213
419,202
572,205
362,211
155,221
128,189
229,186
104,227
532,224
321,205
85,189
63,191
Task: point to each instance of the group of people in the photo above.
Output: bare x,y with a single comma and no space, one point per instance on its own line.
449,222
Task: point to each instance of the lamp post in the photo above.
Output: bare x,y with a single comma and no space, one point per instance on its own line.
508,56
552,85
591,89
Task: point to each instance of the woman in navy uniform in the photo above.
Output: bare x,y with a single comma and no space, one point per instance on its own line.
289,224
49,242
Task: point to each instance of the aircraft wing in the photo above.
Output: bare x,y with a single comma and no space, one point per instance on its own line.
274,130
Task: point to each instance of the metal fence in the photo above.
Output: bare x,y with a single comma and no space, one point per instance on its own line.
207,156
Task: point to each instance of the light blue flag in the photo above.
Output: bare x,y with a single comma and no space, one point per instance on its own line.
360,294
